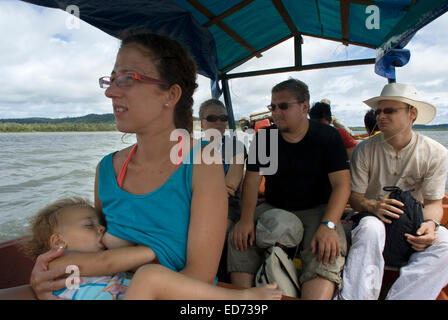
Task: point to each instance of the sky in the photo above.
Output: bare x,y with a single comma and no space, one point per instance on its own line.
51,70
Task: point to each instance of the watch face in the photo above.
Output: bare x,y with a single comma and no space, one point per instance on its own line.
329,224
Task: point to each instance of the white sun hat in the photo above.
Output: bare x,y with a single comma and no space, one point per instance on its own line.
407,94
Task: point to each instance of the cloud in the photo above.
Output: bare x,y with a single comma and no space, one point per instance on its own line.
347,87
49,70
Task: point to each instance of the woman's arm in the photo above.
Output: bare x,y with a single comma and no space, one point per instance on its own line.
106,262
208,221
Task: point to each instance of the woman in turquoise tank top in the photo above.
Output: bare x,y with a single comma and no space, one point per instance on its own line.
178,209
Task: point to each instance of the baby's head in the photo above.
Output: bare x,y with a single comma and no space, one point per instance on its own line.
71,223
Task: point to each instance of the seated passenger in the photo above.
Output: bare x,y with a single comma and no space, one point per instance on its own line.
398,156
370,123
213,115
309,178
321,112
336,122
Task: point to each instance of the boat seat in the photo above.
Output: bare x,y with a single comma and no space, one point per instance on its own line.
15,267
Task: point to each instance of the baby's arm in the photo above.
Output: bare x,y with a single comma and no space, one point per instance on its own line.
106,262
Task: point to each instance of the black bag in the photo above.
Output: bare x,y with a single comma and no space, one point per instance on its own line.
397,250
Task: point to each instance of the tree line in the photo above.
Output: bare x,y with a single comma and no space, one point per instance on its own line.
56,127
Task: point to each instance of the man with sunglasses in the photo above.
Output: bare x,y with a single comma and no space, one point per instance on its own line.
397,156
312,181
213,115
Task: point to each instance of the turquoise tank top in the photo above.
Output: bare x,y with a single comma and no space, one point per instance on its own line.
159,219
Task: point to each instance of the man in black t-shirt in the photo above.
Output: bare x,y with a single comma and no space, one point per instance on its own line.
311,180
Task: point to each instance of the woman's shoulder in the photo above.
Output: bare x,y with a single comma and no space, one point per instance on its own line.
117,158
123,153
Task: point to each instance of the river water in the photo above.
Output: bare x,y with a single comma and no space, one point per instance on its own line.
39,168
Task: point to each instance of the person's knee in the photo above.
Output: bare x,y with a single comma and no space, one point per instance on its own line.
441,244
369,229
149,272
444,255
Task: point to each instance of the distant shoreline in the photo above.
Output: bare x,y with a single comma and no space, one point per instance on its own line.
57,127
88,123
13,127
106,122
416,128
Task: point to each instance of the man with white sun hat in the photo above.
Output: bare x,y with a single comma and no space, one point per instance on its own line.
407,94
399,157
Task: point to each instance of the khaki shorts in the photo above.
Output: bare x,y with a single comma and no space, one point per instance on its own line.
250,260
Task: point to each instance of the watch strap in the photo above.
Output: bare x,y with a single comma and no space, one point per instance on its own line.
434,221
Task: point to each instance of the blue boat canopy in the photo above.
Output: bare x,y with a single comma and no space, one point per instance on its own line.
222,35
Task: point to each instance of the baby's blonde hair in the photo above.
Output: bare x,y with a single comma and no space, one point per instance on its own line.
44,223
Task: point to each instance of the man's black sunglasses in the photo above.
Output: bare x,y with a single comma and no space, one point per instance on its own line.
281,105
214,118
388,110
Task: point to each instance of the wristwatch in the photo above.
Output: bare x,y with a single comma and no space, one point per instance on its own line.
329,224
435,223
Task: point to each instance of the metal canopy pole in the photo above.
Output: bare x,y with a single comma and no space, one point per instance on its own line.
298,41
228,101
314,66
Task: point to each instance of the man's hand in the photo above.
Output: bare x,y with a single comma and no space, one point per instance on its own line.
425,236
243,234
387,208
326,244
44,281
230,191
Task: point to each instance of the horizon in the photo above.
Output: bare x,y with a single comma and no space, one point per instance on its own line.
62,61
197,117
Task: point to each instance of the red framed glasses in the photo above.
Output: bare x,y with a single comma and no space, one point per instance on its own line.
127,80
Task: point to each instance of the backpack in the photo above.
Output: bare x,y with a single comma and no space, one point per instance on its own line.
397,250
279,268
279,231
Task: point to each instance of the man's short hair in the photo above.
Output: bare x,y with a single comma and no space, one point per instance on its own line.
296,87
208,103
319,111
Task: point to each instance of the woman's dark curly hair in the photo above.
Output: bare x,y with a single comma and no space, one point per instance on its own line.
174,65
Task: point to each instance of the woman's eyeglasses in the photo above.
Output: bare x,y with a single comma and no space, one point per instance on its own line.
127,80
387,110
281,105
214,118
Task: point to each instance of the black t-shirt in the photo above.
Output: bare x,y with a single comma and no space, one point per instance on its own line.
301,180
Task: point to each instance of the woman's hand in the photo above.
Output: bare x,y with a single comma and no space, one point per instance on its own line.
44,281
